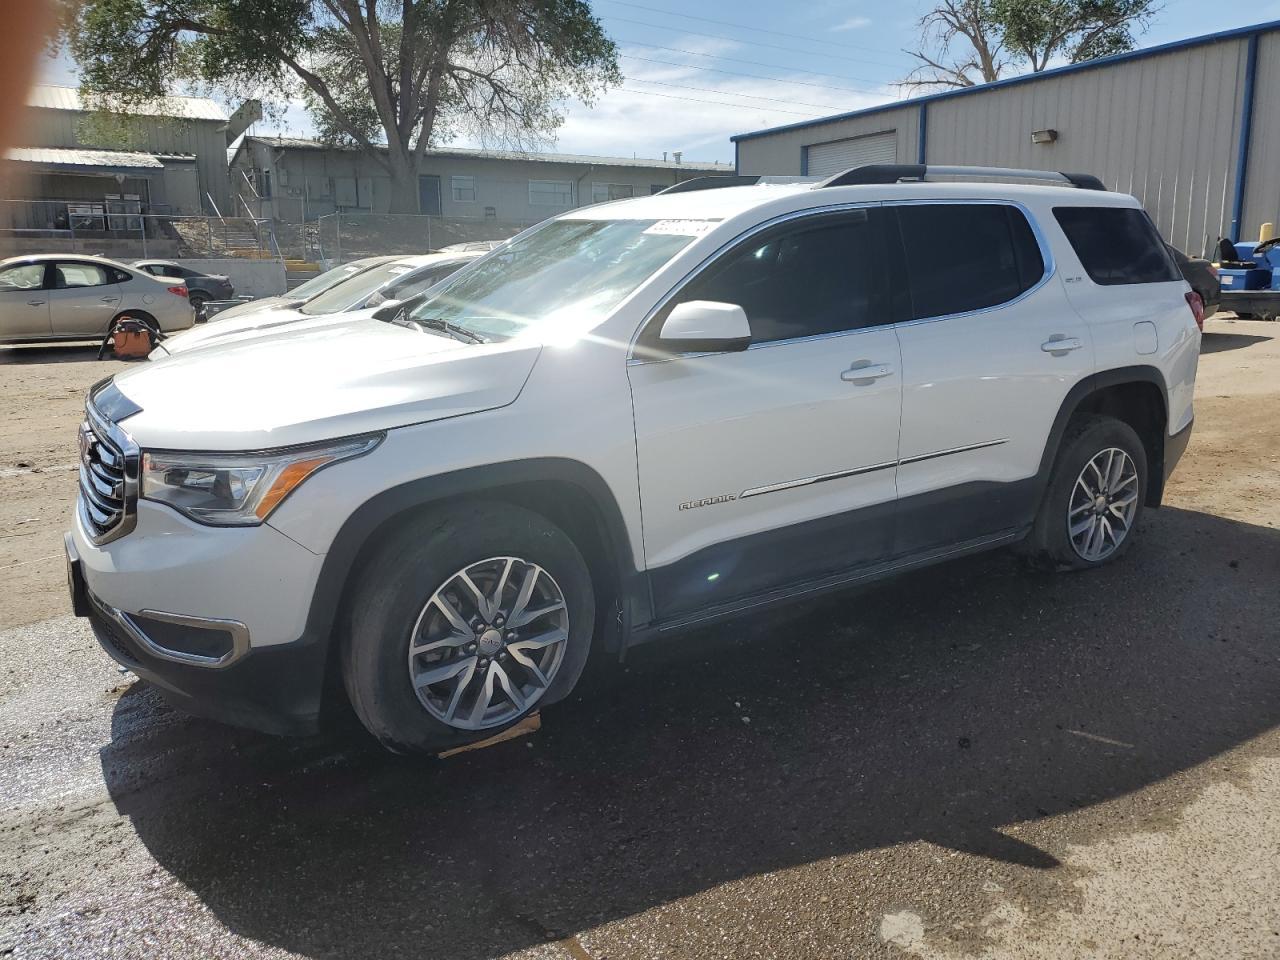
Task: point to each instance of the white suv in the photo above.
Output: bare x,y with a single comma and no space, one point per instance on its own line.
632,419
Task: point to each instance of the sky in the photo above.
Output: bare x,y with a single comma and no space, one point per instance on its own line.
696,73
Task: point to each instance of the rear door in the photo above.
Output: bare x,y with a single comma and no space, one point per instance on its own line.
988,357
775,464
84,298
24,303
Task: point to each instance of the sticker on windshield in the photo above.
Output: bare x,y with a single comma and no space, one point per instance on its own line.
681,228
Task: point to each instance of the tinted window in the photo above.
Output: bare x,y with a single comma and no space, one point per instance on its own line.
967,256
820,276
1117,245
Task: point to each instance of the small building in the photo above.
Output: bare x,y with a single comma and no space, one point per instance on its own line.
296,180
167,156
1191,128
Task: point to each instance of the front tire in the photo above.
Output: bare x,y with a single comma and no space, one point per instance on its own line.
1094,502
466,621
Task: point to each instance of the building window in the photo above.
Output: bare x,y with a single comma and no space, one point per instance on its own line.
464,189
602,192
550,193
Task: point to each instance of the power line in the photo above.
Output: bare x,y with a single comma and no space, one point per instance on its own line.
754,43
743,26
754,63
721,103
752,76
731,93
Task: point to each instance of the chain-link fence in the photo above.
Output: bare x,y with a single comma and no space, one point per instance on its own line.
122,231
342,237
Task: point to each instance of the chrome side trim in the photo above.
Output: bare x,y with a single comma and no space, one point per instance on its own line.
950,450
239,635
872,468
806,481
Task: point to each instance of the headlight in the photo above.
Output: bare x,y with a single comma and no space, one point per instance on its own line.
238,489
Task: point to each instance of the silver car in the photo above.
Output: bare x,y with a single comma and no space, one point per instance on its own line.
73,297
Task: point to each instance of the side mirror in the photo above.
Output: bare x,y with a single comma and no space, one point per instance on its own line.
388,309
705,326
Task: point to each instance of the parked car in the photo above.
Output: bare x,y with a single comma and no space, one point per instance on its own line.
1202,276
74,297
473,246
304,291
441,502
396,279
201,287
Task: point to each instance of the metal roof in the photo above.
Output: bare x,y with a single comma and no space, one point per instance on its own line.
302,143
62,158
1234,34
48,96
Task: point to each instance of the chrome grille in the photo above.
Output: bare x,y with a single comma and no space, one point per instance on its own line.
108,479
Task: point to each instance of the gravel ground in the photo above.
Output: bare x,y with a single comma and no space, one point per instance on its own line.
969,762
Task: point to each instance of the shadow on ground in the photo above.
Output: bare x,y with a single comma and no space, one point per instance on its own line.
1215,342
942,707
44,353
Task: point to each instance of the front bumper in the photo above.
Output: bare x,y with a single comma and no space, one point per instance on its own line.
213,617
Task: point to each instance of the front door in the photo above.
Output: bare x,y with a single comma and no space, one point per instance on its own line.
429,195
774,465
987,361
24,303
84,298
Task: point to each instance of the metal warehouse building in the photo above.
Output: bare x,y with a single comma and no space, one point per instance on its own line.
1191,128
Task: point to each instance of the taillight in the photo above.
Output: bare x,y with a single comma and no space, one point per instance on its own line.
1197,308
178,291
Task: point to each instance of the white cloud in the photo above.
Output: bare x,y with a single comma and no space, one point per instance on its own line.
853,23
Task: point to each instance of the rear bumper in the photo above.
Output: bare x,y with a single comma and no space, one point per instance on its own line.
1174,447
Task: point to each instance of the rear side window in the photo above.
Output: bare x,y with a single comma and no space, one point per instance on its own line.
821,275
967,256
1117,245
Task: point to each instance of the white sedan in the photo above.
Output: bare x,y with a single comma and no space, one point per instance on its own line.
73,297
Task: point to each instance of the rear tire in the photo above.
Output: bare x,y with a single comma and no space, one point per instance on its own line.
446,615
1094,502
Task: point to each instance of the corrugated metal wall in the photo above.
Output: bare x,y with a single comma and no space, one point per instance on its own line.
1164,127
1262,185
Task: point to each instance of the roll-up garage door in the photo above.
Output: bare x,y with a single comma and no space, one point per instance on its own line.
826,159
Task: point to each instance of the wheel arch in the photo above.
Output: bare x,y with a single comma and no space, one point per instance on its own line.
1137,395
569,493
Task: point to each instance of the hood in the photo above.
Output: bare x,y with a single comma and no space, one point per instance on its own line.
223,327
253,306
317,382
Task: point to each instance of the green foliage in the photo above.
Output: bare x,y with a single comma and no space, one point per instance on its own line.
976,41
399,73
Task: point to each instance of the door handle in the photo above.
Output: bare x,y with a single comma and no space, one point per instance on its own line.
864,371
1061,344
110,299
35,303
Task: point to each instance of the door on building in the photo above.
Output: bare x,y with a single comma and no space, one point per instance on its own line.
24,303
429,195
827,159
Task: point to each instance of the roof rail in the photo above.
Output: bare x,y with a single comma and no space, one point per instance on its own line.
882,173
709,183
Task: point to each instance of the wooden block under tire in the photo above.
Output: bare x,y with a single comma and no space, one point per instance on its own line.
530,724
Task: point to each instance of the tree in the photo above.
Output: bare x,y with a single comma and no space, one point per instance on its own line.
390,77
966,42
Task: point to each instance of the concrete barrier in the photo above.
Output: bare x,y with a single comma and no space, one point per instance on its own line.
252,278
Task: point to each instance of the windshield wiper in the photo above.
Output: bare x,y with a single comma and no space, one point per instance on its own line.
446,326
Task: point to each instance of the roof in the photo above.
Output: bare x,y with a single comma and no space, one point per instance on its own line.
302,143
48,96
726,202
1235,34
78,158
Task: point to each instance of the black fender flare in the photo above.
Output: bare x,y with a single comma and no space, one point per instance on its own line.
1091,384
488,480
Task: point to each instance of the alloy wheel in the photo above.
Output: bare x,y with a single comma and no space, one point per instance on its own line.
1104,502
488,643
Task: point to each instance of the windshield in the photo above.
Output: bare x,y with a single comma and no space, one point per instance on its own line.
566,275
353,291
318,285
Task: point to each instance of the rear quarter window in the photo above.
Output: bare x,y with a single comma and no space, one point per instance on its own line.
1117,245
